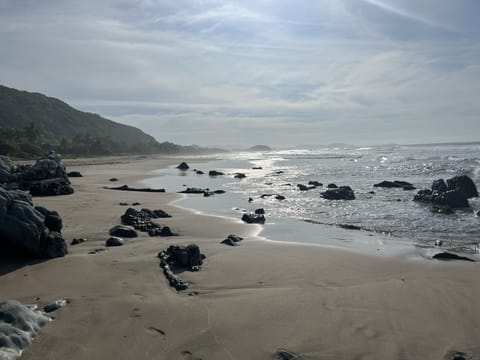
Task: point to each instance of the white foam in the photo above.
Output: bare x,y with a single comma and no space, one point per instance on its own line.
19,324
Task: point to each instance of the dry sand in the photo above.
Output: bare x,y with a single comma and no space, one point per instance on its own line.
246,302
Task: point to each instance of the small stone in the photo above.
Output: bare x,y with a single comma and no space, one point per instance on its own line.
114,241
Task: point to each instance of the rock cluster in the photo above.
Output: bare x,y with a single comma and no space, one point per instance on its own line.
142,220
29,230
47,177
453,194
180,258
253,218
206,192
340,193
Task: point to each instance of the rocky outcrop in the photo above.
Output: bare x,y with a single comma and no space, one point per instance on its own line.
315,183
206,192
215,173
451,195
260,211
141,220
253,218
180,258
302,187
332,186
27,230
6,167
341,193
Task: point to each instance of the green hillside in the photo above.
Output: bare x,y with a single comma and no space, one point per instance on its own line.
31,123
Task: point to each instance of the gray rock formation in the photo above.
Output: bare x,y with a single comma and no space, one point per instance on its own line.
123,231
341,193
24,229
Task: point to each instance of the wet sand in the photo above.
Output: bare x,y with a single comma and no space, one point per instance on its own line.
246,302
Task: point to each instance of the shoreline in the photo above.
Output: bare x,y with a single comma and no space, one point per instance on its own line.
246,302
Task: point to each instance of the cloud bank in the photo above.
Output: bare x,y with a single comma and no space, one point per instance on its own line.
280,72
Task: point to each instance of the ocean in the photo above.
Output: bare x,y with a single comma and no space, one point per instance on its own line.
389,219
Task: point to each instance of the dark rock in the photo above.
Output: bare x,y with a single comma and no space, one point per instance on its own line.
302,187
438,209
450,256
478,213
408,187
439,186
54,306
114,241
372,192
283,354
332,186
123,231
47,167
395,184
349,227
232,240
240,176
166,232
183,257
53,221
464,185
23,229
113,179
127,188
123,204
250,199
53,245
341,193
193,191
253,219
260,211
136,204
183,166
263,196
199,172
6,167
315,183
142,220
451,199
215,173
438,243
257,168
280,197
74,174
77,241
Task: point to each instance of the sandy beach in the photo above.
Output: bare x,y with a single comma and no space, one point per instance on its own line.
247,302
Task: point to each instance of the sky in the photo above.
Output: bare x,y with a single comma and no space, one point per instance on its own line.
275,72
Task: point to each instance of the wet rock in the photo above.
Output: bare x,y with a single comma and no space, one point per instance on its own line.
123,231
141,220
332,186
207,193
166,231
349,227
394,184
113,179
193,190
199,172
77,241
183,166
260,211
114,241
123,204
49,187
315,183
253,219
280,197
250,199
341,193
302,187
438,209
53,221
215,173
464,185
74,174
257,168
54,306
232,240
136,204
127,188
408,187
180,258
240,176
439,186
451,256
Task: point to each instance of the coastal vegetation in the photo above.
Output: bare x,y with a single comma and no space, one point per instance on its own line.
32,123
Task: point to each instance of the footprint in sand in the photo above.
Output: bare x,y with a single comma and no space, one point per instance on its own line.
187,355
135,313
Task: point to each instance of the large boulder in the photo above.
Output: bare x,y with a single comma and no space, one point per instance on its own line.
451,195
47,167
6,167
123,231
464,185
341,193
23,229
